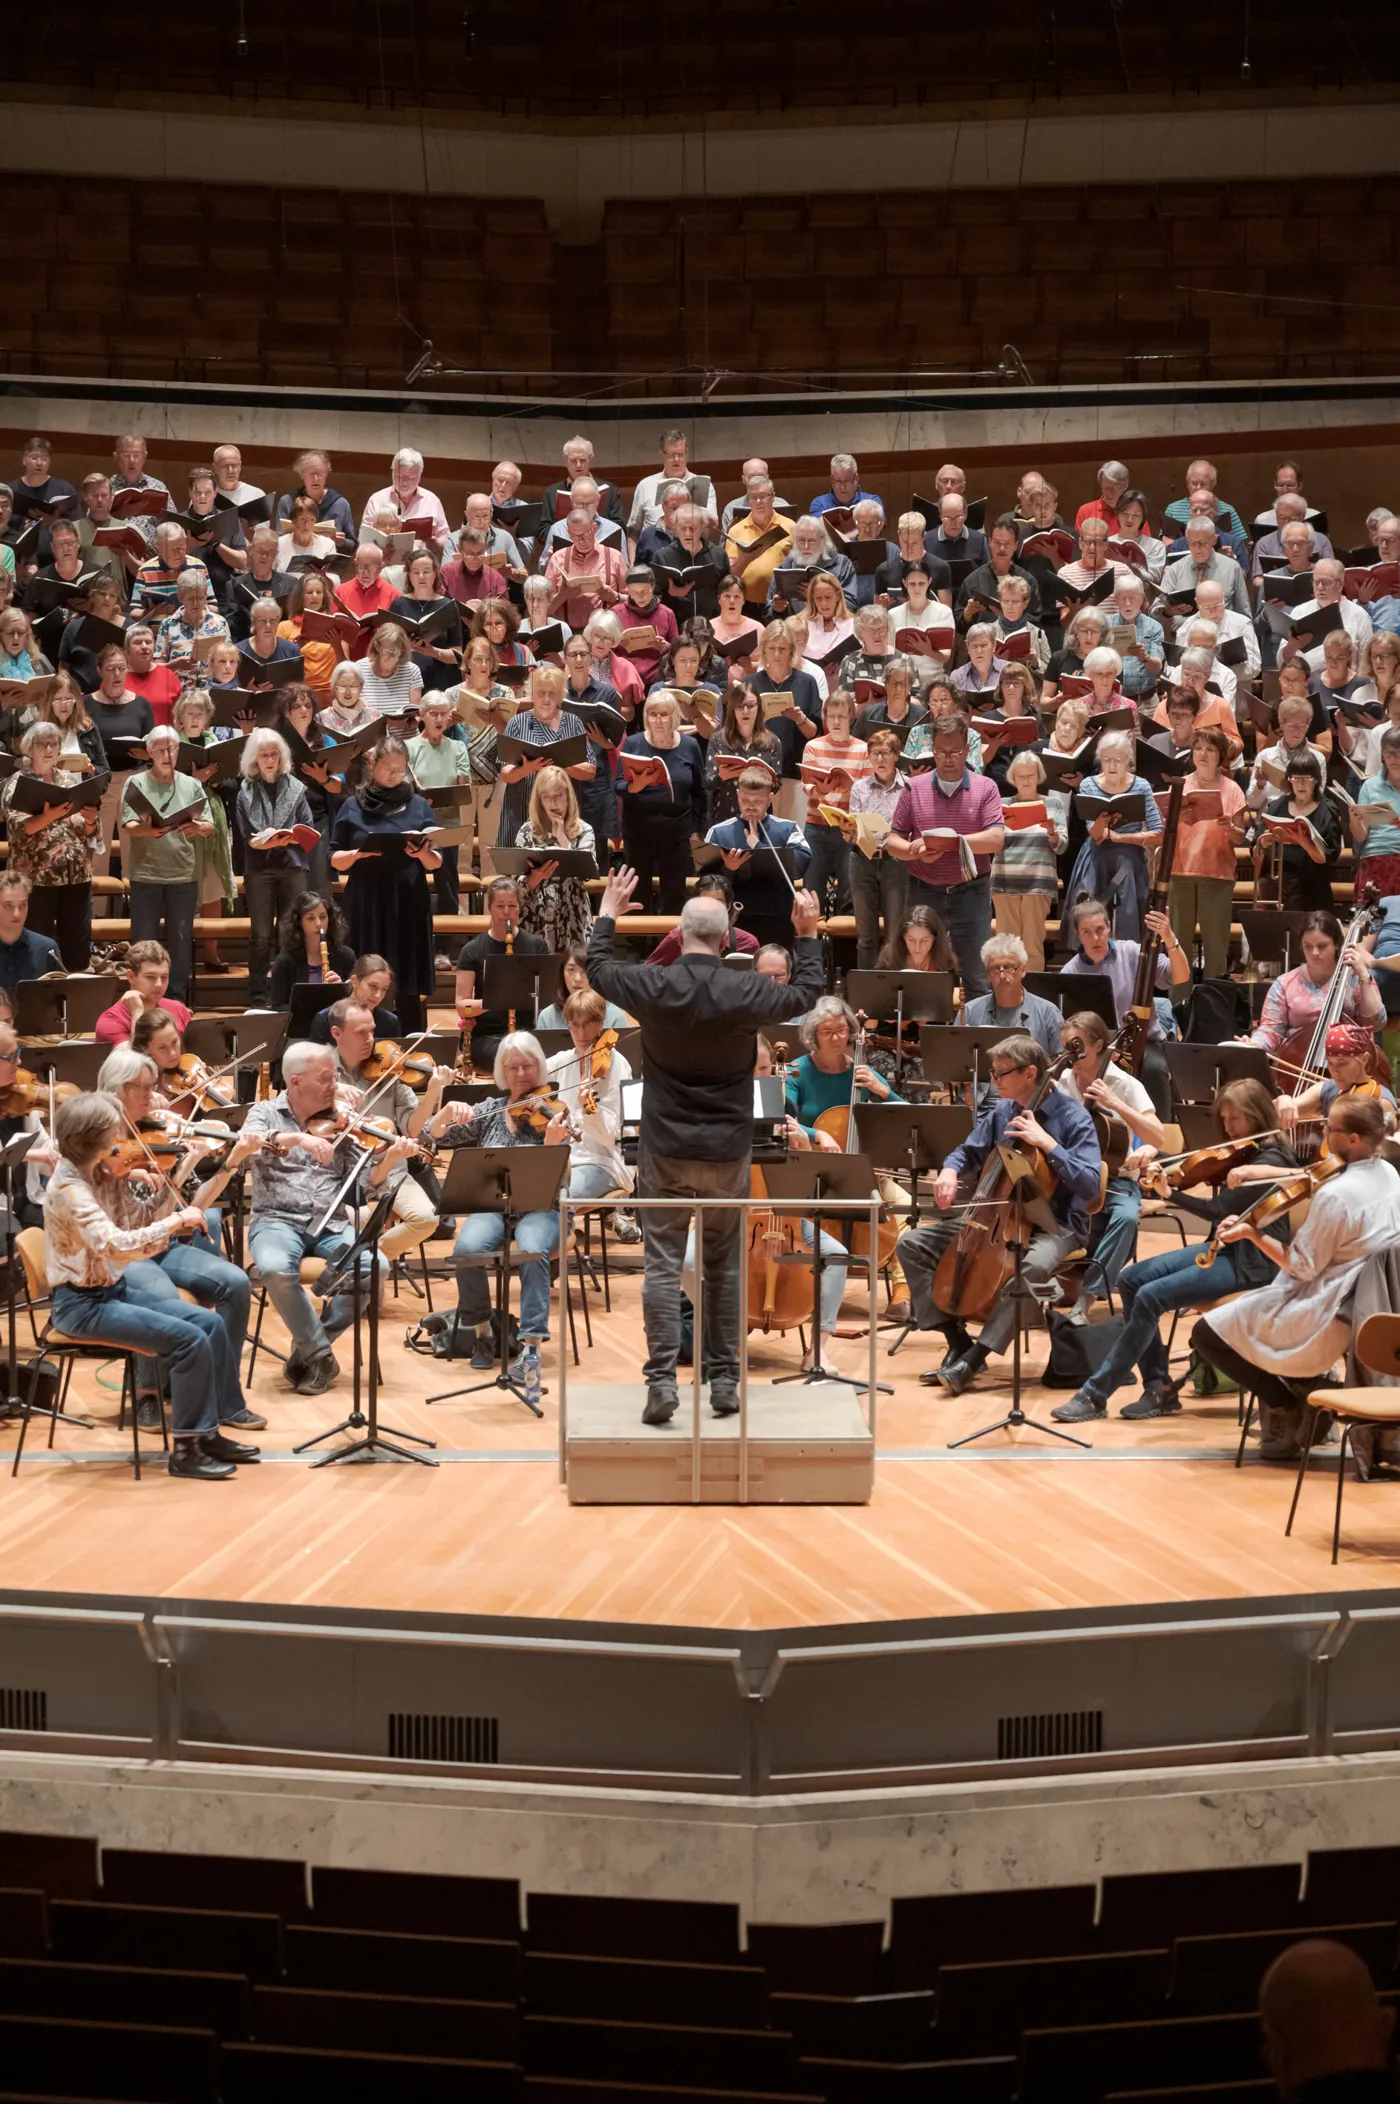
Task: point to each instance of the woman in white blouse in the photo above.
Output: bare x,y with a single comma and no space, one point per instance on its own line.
392,682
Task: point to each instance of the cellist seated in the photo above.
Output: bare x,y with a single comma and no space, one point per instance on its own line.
1062,1132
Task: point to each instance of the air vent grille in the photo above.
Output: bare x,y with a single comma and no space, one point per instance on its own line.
24,1709
463,1741
1049,1735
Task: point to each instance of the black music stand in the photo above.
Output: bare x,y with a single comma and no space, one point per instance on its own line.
959,1055
345,1270
307,1003
840,1185
1075,990
914,1137
908,997
67,1006
1275,934
1197,1071
76,1059
518,982
1019,1294
511,1181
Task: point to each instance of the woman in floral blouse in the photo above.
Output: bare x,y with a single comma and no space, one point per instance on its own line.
553,906
53,848
179,632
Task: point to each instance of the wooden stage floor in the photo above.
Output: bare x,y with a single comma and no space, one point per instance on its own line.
1155,1512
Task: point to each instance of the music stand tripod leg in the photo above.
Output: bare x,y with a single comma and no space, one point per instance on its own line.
376,1442
504,1378
821,1264
1019,1294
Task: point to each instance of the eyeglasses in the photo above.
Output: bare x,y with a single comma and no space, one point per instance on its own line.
1005,1073
1003,971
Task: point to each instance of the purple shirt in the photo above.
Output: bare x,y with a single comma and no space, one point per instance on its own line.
972,807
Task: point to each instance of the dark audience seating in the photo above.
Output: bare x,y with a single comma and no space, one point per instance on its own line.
167,1979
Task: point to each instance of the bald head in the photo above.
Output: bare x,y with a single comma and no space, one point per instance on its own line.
1320,2015
704,925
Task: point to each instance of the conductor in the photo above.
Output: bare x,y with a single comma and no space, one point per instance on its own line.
699,1025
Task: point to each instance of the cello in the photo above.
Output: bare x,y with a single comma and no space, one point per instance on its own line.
977,1265
836,1123
780,1291
1300,1062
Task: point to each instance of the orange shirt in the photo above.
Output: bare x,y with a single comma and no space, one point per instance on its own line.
320,659
1206,850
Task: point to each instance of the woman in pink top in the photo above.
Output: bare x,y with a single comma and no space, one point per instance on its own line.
1203,868
610,668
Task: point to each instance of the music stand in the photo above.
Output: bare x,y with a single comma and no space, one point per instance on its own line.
552,1041
1198,1071
908,997
307,1003
1276,936
1019,1293
914,1137
75,1059
340,1271
518,982
840,1185
1091,990
469,1091
629,1044
65,1007
511,1181
959,1056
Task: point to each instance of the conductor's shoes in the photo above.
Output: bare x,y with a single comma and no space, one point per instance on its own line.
661,1405
724,1398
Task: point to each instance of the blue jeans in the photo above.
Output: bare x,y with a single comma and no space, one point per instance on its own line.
192,1345
966,912
1122,1209
590,1180
536,1236
214,1284
1149,1291
277,1248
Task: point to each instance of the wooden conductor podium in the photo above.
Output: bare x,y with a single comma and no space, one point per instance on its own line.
791,1443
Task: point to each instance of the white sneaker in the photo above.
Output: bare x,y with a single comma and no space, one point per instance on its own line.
1077,1316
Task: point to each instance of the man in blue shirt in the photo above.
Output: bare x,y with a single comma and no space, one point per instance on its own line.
23,953
1060,1130
845,488
1008,1006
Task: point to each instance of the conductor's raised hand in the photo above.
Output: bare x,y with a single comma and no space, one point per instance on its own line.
617,894
806,913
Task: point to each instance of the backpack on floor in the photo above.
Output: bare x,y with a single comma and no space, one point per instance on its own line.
1078,1349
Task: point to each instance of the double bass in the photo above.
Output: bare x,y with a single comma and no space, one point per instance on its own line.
977,1265
1300,1062
836,1123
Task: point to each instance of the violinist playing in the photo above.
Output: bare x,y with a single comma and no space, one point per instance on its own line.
525,1115
20,1108
293,1187
1061,1131
156,1034
591,1090
130,1075
1284,1338
1094,1079
1158,1286
86,1257
352,1035
1348,1054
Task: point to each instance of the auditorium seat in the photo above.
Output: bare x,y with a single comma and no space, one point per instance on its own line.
24,1923
654,2053
826,1958
1152,1907
989,2080
1087,2061
965,1927
126,1994
357,2022
568,2089
452,1968
233,1884
1214,1974
258,2074
692,1930
424,1903
206,1940
732,1997
157,2064
986,2008
62,1865
883,2028
1352,1884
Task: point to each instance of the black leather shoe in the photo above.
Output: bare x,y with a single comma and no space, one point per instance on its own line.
661,1406
247,1420
724,1398
957,1374
189,1459
293,1368
229,1449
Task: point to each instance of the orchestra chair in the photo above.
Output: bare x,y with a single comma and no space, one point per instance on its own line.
67,1351
582,1245
1377,1346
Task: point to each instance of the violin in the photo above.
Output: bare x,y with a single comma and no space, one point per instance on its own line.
372,1133
1277,1202
599,1062
1301,1060
190,1079
130,1156
537,1112
1208,1165
416,1068
27,1091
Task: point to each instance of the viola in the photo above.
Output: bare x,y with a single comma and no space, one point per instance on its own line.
1301,1061
1277,1202
129,1157
26,1092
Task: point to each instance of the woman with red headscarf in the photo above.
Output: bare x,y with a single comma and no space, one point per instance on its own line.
1349,1048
